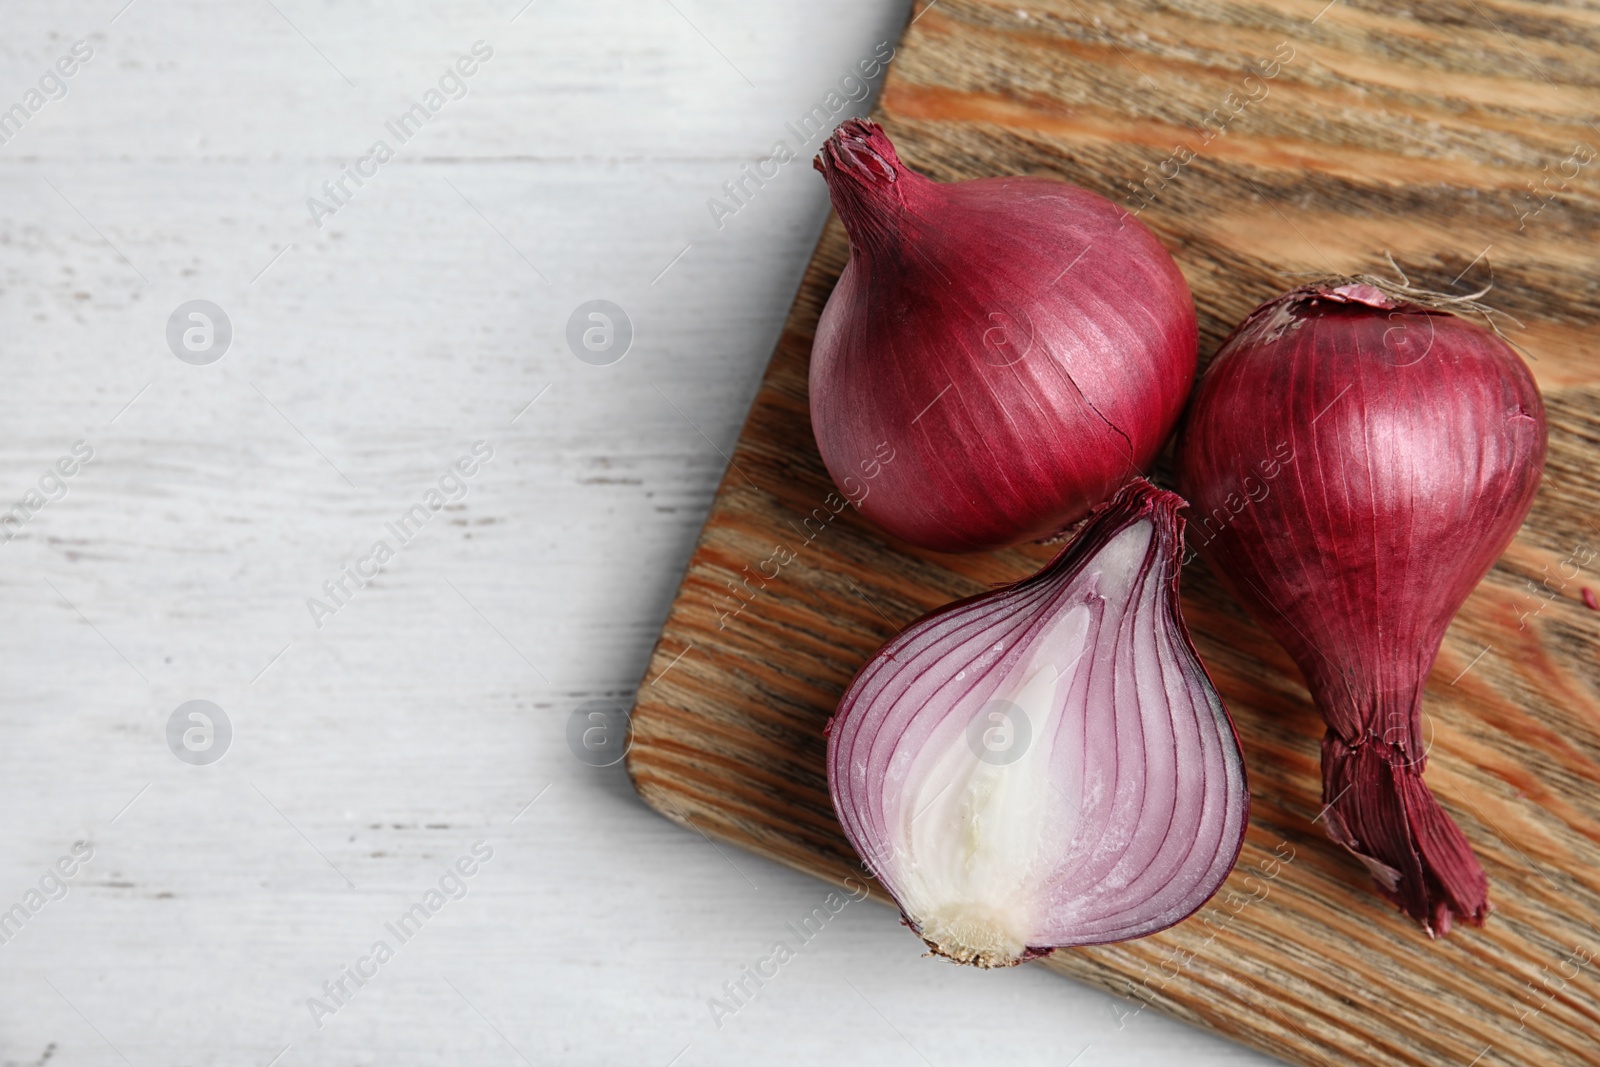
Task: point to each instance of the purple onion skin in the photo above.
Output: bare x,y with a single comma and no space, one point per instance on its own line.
1024,346
1415,442
1144,755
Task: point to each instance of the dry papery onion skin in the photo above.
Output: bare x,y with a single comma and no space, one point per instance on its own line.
1025,347
1047,764
1406,446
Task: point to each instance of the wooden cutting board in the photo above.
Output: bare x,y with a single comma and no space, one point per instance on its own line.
1380,129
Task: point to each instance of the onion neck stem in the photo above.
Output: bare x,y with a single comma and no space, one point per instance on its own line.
870,188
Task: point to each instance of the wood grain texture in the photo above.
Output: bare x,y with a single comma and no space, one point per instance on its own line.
1412,132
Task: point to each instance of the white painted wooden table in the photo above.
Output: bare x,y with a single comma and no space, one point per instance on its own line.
428,712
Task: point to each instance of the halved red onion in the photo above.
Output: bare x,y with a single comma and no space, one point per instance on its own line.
1047,764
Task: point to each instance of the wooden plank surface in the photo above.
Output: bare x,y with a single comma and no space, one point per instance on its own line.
1362,129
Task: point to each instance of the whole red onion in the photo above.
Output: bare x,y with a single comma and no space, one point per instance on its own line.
1047,764
1356,463
1024,346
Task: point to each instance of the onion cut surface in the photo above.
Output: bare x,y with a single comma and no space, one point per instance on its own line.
1047,764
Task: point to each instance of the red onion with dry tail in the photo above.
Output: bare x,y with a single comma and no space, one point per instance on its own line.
1024,345
1356,462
